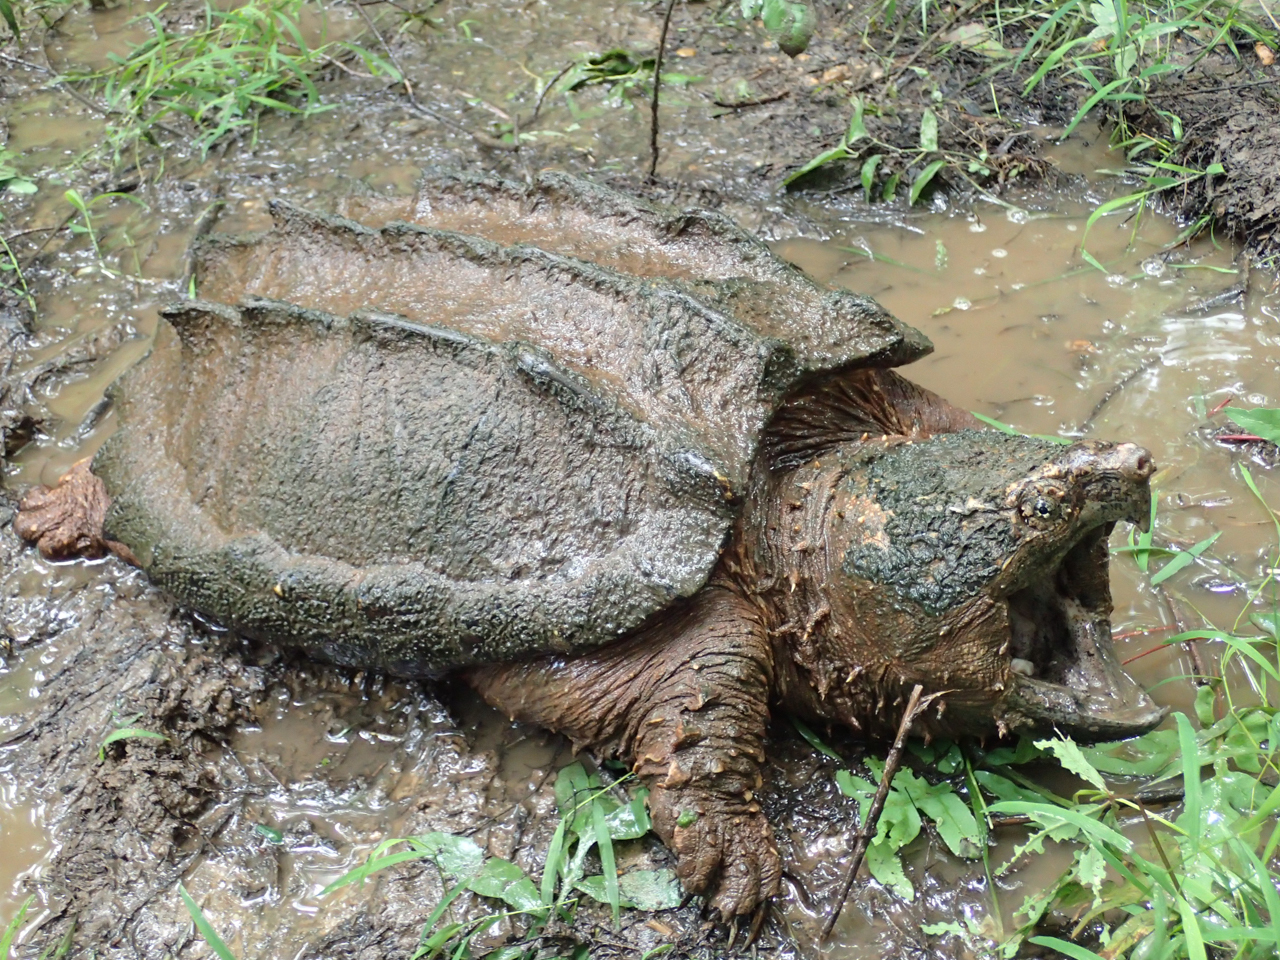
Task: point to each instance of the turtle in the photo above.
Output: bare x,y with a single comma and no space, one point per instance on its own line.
621,469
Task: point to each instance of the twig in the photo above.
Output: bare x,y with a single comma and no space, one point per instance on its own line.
753,101
53,232
1267,11
345,69
915,705
1114,389
1221,406
404,77
493,143
537,108
657,82
23,63
1237,291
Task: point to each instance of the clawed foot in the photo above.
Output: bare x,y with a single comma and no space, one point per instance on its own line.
725,848
66,521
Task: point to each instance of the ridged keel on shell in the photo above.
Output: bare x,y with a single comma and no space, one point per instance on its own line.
394,495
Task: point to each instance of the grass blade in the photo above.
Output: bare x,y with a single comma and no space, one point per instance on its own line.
608,866
11,930
202,923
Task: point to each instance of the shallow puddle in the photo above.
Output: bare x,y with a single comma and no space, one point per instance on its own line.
1024,330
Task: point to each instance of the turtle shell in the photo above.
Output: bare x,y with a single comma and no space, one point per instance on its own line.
521,423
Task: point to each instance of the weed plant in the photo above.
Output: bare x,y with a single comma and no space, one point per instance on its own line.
219,78
592,818
1115,50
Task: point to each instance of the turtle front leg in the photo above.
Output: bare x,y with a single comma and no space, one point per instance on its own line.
685,703
66,521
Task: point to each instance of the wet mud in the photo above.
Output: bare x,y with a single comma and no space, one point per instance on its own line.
277,775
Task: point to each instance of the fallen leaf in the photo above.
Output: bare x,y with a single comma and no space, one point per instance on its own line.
978,38
1265,54
837,73
1082,346
686,52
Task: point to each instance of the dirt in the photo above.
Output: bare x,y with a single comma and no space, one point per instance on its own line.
1229,116
337,761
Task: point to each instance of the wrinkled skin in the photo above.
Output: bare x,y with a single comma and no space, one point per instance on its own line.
826,605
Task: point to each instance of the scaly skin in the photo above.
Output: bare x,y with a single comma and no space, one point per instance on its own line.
686,703
66,521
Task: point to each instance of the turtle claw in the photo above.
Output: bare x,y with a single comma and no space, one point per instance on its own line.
727,855
66,521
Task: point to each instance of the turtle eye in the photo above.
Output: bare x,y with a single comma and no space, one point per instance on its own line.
1042,504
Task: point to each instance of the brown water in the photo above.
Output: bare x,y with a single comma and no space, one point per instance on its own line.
1025,332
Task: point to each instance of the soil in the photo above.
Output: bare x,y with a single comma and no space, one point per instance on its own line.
109,648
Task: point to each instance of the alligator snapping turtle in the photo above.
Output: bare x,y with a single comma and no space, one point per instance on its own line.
629,474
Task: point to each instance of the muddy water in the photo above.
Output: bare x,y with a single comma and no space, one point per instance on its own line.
1025,332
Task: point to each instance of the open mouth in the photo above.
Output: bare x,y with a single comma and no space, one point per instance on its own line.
1064,671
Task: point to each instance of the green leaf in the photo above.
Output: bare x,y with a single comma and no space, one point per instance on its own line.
11,929
1204,705
883,864
1143,756
1267,622
922,180
1191,928
1191,819
814,740
503,880
6,11
651,889
608,865
890,189
854,786
929,131
790,23
630,821
205,927
1005,428
459,857
127,733
1069,756
1076,820
553,867
1260,421
1090,870
827,156
869,174
640,889
1182,559
271,833
1066,948
857,129
21,185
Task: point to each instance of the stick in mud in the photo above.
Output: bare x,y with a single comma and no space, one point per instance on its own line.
657,81
915,706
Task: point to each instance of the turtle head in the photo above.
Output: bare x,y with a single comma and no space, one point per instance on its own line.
977,563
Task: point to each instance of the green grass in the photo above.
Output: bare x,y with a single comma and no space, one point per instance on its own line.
219,78
1114,51
592,818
